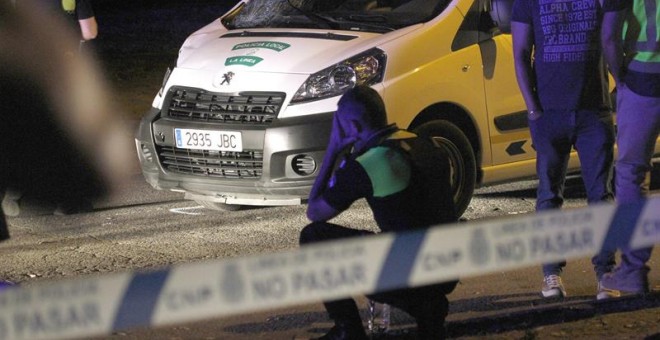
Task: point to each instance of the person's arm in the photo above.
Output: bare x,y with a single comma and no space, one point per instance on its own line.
87,20
89,28
317,208
523,44
611,37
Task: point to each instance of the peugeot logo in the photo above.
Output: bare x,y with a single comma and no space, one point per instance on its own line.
226,78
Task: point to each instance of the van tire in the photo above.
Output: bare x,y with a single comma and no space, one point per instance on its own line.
219,206
462,160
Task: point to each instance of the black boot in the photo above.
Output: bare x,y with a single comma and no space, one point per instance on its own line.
74,206
344,331
430,317
431,330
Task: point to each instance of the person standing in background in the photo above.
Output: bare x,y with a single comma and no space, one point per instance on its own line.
89,28
560,72
61,136
631,43
79,13
80,17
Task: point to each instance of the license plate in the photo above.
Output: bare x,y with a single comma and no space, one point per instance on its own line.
208,140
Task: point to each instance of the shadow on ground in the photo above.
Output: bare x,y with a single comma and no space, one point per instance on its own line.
574,187
533,312
503,313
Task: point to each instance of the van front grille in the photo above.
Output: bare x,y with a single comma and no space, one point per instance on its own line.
222,164
243,108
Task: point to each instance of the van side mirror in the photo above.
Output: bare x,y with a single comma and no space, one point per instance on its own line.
500,11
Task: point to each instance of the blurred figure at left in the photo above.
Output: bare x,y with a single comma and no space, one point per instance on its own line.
62,140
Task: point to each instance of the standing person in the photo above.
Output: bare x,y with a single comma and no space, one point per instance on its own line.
77,12
368,165
635,65
81,16
562,78
81,11
60,136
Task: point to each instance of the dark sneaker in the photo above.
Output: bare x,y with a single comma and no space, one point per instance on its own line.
634,282
431,329
73,207
345,332
553,287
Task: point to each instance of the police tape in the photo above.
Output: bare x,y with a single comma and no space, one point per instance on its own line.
102,304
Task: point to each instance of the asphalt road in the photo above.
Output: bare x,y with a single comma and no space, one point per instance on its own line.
139,228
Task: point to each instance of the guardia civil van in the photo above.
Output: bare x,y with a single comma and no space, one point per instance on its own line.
244,116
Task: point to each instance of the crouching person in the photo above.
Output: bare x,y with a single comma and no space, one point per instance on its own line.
367,158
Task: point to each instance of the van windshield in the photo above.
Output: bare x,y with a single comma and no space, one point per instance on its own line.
357,15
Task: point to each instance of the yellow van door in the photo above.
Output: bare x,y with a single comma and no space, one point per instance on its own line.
509,133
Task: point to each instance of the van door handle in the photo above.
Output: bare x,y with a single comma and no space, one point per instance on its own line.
465,68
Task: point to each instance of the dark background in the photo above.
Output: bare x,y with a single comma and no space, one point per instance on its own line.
138,40
150,25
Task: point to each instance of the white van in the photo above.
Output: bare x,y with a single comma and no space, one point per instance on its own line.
244,117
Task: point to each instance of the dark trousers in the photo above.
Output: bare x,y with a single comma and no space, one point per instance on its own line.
4,230
554,134
428,304
638,121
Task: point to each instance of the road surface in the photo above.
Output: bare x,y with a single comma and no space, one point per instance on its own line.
139,228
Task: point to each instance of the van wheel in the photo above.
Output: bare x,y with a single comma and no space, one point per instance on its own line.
219,206
463,165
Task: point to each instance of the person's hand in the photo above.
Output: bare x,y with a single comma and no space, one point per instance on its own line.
338,138
338,141
337,134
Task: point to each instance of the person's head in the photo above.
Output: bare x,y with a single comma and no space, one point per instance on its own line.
361,110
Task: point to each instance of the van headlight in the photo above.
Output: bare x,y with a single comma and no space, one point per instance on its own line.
363,69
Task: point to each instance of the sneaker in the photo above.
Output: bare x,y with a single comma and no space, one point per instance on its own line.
635,282
553,287
605,293
11,203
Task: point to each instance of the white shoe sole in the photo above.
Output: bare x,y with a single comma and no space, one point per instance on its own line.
555,292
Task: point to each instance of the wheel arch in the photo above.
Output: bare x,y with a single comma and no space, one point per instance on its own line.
459,117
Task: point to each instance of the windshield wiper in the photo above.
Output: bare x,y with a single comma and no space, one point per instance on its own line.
377,22
320,19
367,18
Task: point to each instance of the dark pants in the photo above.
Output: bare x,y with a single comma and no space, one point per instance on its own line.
428,304
4,230
638,121
592,135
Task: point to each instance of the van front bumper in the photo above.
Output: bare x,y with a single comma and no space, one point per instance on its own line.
289,150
